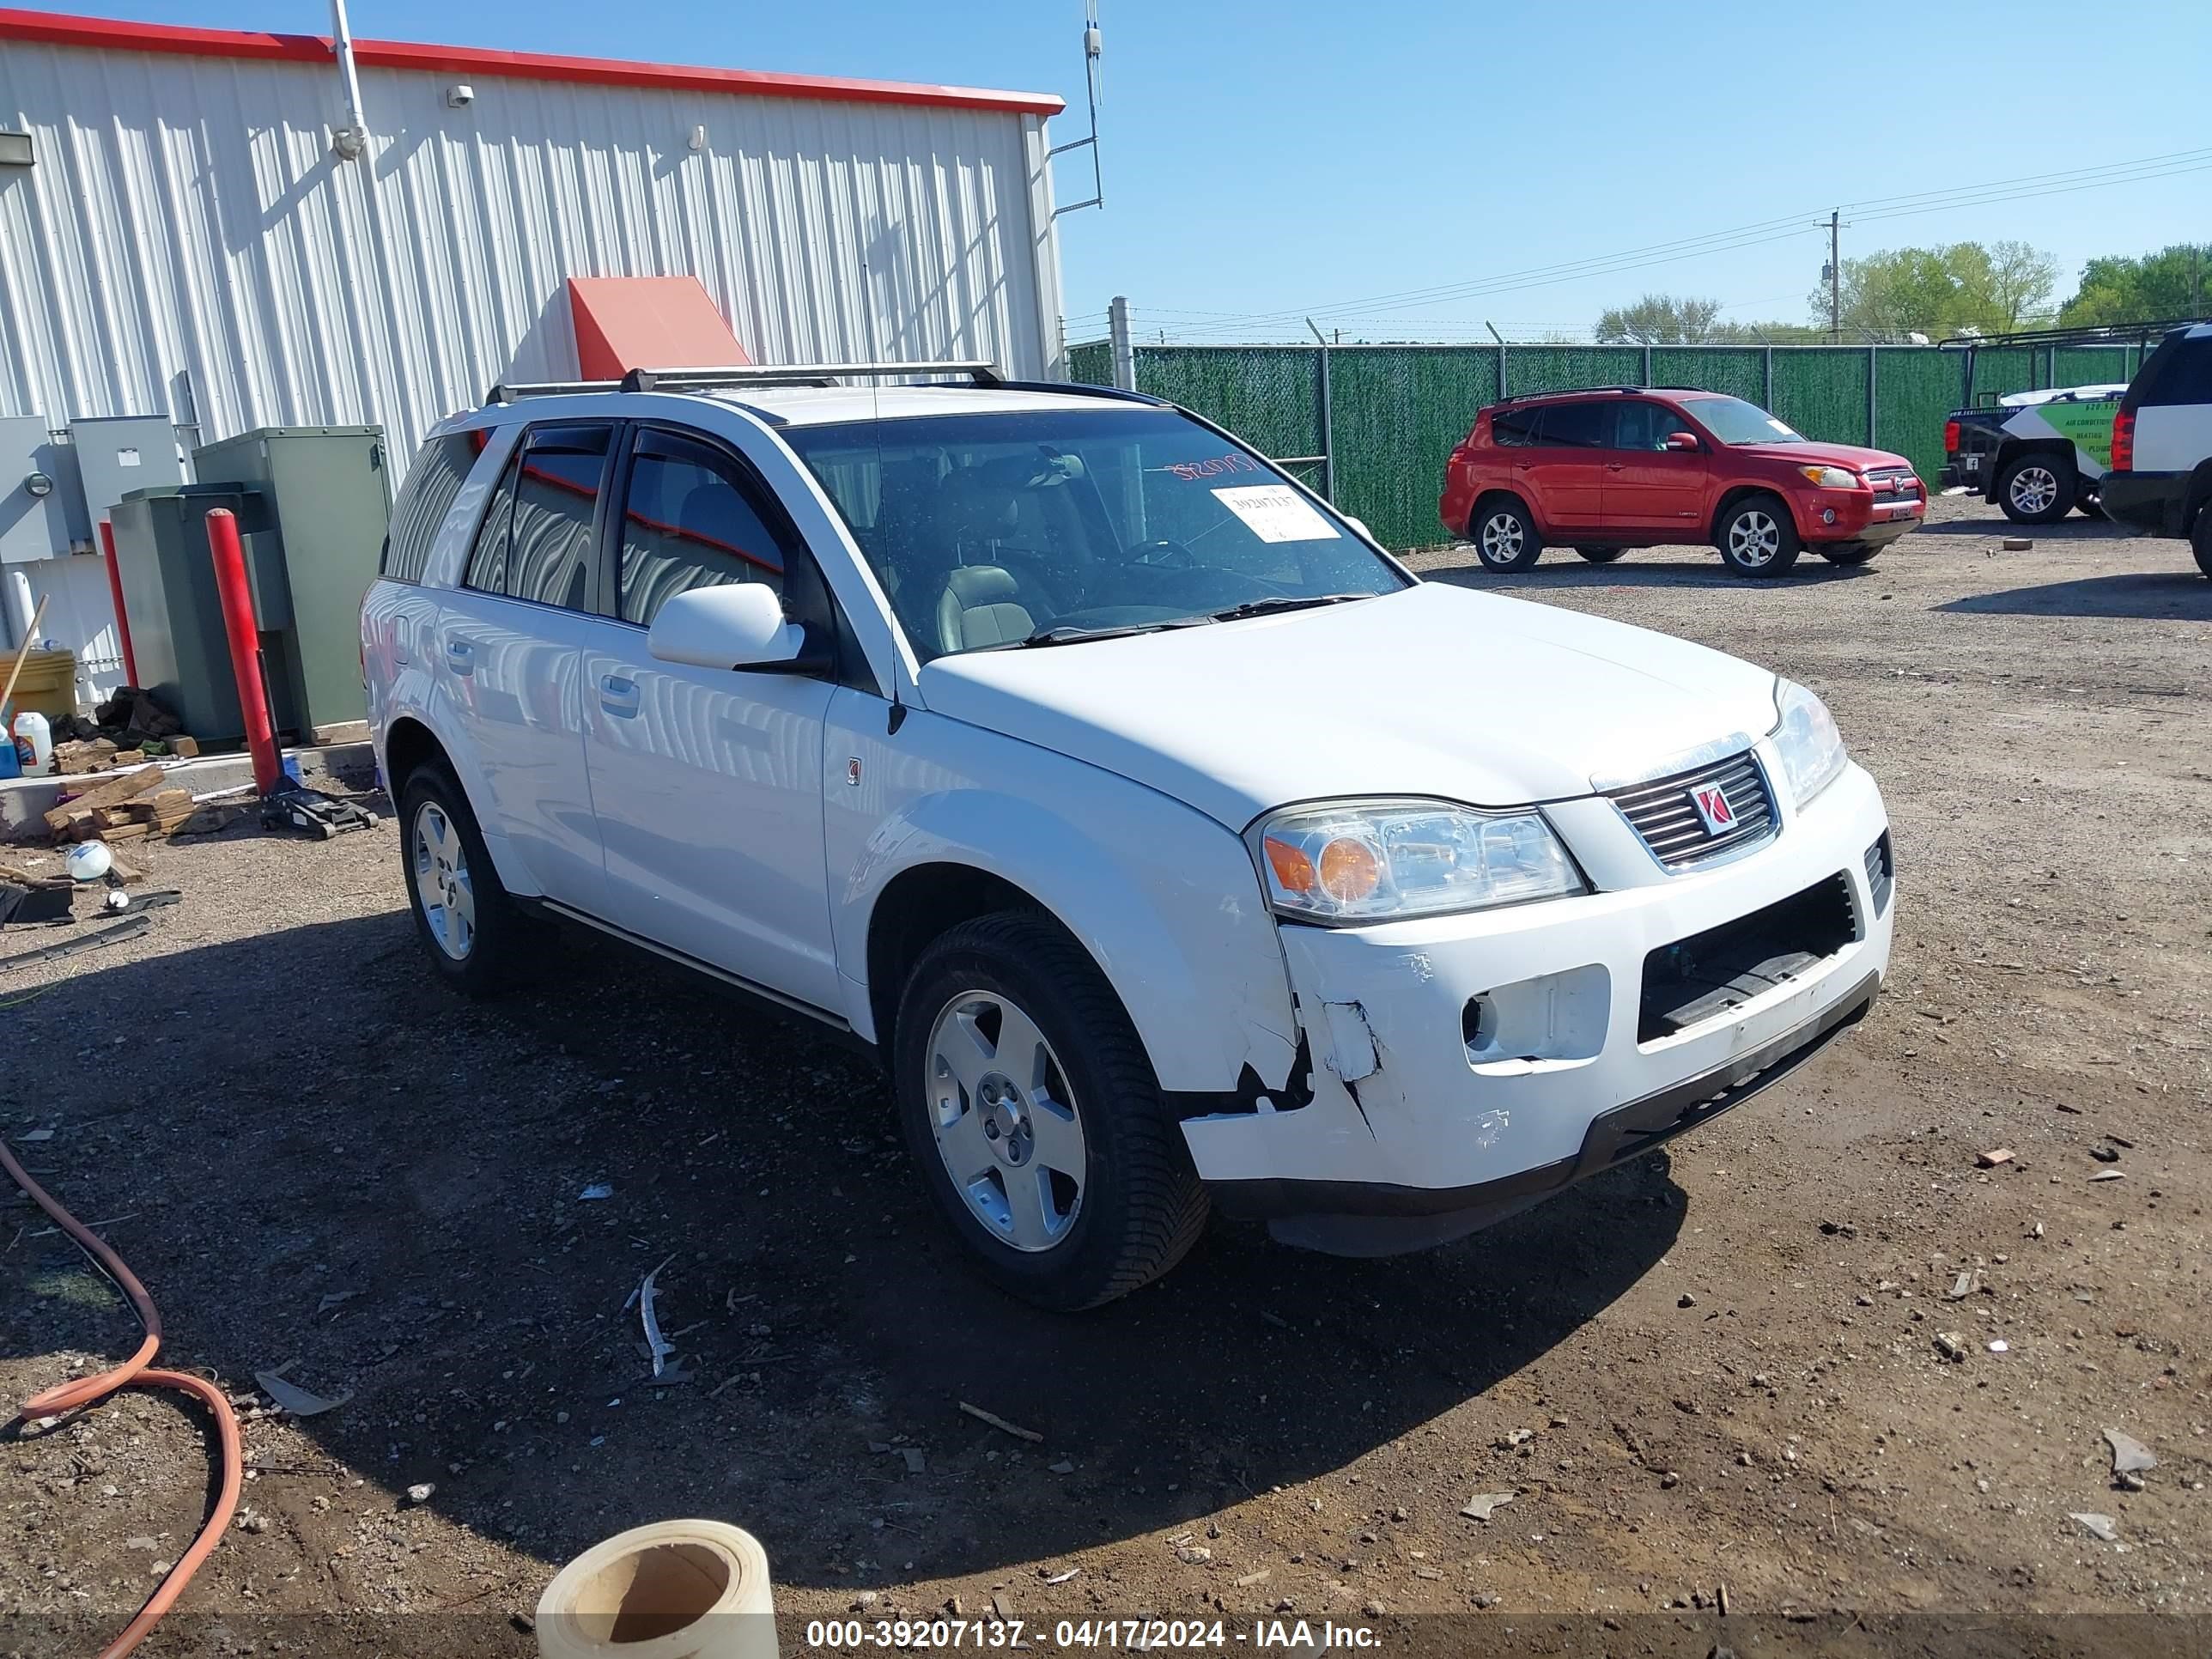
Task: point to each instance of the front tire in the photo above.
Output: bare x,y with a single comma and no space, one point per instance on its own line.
1848,553
1030,1107
1757,537
476,938
1504,536
2037,489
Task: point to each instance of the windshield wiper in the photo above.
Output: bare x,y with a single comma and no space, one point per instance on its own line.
1283,601
1078,636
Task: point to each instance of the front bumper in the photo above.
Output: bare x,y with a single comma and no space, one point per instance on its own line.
1858,517
1417,1132
2148,501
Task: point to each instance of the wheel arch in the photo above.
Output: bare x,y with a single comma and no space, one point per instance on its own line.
1735,496
408,744
1493,496
2016,448
1162,911
2196,497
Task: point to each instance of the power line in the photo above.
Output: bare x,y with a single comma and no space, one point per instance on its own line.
2064,182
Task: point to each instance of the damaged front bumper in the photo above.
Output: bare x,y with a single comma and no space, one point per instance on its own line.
1465,1068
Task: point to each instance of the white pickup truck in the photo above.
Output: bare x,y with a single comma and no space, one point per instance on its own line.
1168,841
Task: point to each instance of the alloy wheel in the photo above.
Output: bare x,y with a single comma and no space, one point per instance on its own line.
1754,538
1501,537
2033,488
442,883
1005,1122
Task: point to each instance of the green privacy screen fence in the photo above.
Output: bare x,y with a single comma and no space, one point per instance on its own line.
1379,421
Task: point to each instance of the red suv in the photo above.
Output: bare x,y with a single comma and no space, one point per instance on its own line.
1605,470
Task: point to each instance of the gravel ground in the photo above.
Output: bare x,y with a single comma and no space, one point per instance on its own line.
1720,1366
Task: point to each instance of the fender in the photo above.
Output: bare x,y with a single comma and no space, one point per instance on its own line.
1164,899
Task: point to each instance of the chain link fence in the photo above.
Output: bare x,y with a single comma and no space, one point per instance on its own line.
1371,427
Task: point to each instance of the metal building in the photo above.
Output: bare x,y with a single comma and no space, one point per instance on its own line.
226,230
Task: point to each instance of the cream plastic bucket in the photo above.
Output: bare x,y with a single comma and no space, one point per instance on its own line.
676,1589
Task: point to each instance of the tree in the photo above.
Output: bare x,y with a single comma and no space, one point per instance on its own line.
1661,320
2170,282
1941,290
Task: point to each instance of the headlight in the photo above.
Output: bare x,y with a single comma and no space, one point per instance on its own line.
1806,738
1831,477
1376,861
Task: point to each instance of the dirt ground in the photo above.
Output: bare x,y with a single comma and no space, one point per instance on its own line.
1718,1367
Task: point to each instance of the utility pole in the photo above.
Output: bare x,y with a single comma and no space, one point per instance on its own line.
1835,277
1124,349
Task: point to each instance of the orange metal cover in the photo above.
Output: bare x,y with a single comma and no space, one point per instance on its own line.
647,322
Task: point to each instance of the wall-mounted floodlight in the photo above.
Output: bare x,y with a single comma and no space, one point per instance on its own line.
16,149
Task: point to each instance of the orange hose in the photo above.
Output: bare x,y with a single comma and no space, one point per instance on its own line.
87,1392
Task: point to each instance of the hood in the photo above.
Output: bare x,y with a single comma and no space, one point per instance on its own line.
1435,690
1811,453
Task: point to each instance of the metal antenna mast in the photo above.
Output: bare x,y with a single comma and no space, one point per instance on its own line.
1093,75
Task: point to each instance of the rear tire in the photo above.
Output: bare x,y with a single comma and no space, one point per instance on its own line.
2200,539
1757,537
1848,553
1504,536
1081,1188
476,937
1600,554
2037,488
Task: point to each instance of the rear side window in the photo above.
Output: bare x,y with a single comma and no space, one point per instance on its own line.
1514,428
1578,426
2178,372
433,484
536,540
690,519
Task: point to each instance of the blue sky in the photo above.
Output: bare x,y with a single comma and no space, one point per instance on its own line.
1266,160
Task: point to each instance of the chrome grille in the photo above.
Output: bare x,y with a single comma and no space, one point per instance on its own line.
1893,484
1664,811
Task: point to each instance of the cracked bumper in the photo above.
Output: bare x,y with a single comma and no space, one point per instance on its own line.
1434,1133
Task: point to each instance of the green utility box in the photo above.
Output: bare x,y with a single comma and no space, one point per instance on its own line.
328,495
177,635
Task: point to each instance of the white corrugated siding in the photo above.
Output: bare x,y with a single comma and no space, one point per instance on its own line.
186,217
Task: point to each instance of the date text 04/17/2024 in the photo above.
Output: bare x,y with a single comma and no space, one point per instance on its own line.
1265,1635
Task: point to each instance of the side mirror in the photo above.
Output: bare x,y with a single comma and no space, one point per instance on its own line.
737,625
1683,440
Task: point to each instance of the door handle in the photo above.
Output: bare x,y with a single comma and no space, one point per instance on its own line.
1614,466
618,695
460,655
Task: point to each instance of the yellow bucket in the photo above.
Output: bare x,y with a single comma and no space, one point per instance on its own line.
48,683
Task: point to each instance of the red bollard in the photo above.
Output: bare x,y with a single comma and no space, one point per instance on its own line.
115,593
245,635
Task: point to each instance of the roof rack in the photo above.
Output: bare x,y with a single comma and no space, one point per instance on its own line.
2081,334
1566,390
980,372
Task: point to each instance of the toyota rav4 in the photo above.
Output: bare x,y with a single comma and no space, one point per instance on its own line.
1169,842
1612,468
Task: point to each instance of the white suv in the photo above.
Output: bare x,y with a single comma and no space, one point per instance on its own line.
1167,838
2161,475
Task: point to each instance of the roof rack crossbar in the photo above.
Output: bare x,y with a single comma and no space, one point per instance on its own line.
982,372
505,392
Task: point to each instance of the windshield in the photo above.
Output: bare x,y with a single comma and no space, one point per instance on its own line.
1050,526
1735,421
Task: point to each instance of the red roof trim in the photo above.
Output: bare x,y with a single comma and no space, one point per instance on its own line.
109,34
